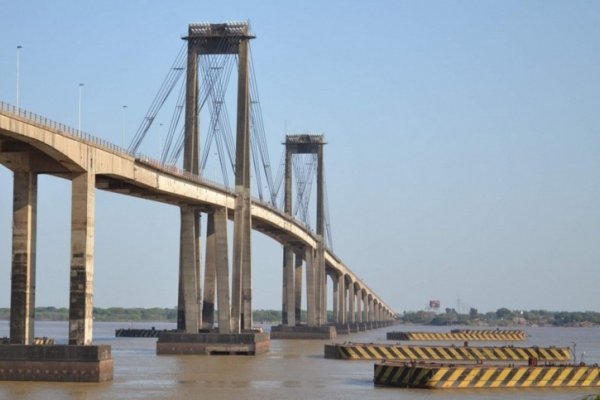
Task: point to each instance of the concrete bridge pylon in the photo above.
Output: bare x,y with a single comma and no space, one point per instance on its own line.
235,303
31,144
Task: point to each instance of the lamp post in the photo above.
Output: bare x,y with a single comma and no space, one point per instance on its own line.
160,135
79,113
123,126
19,47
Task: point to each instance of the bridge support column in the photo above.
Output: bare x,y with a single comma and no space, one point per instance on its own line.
288,276
222,268
198,264
322,305
22,299
360,306
293,329
311,317
374,311
288,296
324,292
351,296
336,296
242,268
210,275
188,318
342,299
187,312
320,282
216,280
359,316
81,303
298,289
291,298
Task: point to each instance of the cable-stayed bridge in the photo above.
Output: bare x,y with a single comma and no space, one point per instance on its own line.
215,293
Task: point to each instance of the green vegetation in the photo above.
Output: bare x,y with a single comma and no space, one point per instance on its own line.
116,314
103,314
500,317
504,317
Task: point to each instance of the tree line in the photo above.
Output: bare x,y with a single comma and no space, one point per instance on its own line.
503,317
120,314
500,317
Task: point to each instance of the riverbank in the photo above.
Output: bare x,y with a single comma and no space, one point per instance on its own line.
500,318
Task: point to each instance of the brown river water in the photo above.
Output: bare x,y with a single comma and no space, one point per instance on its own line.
293,369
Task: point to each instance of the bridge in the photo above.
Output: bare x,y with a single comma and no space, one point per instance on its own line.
31,145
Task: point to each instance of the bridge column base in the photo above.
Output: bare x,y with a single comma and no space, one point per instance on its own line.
303,332
362,326
56,363
245,343
342,329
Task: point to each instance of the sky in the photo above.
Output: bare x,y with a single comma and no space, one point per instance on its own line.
463,141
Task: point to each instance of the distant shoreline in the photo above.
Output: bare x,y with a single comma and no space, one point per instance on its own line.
500,318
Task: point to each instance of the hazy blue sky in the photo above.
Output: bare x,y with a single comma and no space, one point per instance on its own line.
463,156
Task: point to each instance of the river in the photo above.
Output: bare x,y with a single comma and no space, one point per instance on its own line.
293,369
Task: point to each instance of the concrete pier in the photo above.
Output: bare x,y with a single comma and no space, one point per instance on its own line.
251,343
325,332
63,363
342,329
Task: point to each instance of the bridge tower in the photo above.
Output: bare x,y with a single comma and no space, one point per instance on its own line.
206,39
316,290
315,270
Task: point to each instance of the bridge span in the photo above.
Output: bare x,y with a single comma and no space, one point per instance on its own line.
31,145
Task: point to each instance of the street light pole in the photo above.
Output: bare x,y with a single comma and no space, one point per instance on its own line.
19,47
160,134
79,117
123,127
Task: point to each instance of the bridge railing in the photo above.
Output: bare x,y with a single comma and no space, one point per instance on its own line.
61,128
